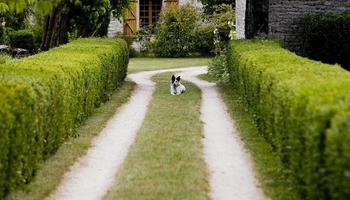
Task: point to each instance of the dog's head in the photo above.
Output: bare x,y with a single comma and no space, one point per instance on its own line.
175,81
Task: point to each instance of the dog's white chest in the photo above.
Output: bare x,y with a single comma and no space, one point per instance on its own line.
177,90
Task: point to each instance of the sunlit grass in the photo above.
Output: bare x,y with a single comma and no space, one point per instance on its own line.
166,161
149,63
4,58
51,171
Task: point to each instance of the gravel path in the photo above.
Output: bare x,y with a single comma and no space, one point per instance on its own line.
231,175
231,172
93,174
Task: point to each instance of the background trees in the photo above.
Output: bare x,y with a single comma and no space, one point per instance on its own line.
84,18
209,5
56,19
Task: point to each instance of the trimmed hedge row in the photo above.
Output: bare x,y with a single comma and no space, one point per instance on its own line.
302,107
44,97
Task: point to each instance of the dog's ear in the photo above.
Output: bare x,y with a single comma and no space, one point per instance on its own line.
178,78
173,78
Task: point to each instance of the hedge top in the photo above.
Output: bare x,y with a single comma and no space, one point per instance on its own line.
293,71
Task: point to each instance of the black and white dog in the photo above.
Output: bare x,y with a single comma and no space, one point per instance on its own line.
176,88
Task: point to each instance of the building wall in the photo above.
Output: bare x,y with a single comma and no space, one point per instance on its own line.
284,17
240,18
115,27
196,3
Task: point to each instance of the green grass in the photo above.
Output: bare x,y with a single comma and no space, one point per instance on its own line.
149,63
166,160
4,58
274,178
51,171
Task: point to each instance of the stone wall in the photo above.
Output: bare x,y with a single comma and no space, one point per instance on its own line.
115,27
284,16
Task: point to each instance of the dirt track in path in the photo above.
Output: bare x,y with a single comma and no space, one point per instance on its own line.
230,168
231,174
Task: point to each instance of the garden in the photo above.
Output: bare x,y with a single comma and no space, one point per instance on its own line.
86,116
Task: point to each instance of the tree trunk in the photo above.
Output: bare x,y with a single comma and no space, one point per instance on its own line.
55,28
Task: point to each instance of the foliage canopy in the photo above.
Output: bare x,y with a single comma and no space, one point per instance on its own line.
175,31
18,6
209,5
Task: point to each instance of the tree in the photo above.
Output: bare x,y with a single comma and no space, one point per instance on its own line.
56,26
17,6
88,18
209,5
92,17
15,13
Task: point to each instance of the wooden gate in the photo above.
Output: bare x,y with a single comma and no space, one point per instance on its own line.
130,25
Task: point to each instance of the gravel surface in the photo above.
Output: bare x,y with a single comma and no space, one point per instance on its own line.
231,174
93,174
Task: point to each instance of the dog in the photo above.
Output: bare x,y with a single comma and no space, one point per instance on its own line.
176,88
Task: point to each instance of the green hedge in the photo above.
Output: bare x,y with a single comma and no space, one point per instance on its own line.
43,98
22,39
4,58
302,107
326,37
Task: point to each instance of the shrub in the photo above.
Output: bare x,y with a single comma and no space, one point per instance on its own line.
218,68
22,39
204,39
222,18
175,31
37,29
326,37
210,5
5,32
302,108
143,36
44,97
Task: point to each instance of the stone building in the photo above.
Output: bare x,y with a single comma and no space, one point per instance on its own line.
280,18
143,13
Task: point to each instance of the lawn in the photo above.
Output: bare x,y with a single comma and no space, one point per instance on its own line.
166,161
148,63
51,171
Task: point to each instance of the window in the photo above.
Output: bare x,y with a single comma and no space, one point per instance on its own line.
149,12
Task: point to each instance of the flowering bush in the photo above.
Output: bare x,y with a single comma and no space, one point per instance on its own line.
143,38
223,18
